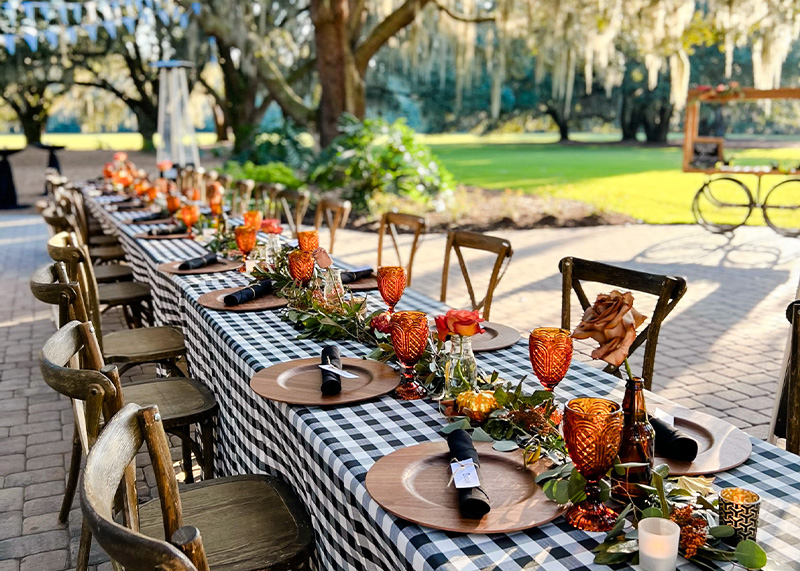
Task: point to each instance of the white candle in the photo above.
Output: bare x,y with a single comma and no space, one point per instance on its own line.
658,544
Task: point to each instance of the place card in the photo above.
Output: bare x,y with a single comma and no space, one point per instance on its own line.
339,372
664,417
464,474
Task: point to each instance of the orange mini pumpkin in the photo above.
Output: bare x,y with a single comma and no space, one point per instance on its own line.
476,404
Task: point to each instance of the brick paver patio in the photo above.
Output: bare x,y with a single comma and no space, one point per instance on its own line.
719,352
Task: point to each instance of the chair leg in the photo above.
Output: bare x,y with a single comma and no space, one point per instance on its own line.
207,437
72,480
172,366
187,457
84,548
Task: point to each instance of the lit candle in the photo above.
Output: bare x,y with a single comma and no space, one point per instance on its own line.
739,509
658,544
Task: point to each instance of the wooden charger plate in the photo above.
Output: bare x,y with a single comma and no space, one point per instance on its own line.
495,336
149,222
143,236
411,483
364,284
721,446
298,382
213,300
221,265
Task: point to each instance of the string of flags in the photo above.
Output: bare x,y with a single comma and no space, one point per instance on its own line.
58,22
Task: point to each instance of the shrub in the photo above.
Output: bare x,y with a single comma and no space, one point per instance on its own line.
375,157
274,173
286,144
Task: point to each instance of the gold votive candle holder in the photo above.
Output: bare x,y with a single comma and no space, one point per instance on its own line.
739,509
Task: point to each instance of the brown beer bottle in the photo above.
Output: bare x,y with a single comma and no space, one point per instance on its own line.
638,445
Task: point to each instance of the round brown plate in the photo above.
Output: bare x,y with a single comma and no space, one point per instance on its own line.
149,222
364,284
298,382
163,237
221,265
131,206
495,336
411,483
213,300
721,446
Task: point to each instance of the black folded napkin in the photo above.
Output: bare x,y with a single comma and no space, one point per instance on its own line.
197,263
331,382
350,276
473,502
125,200
672,443
147,217
167,231
260,289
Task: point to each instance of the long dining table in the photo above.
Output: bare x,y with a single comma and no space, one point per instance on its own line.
325,452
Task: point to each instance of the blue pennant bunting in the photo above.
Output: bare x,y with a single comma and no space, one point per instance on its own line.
149,3
11,44
62,14
29,10
51,37
91,29
72,35
32,40
164,17
111,29
184,21
197,7
77,12
129,23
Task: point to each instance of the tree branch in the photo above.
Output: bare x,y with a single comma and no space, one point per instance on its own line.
380,34
462,17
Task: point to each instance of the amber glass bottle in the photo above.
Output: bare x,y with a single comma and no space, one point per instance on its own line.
638,445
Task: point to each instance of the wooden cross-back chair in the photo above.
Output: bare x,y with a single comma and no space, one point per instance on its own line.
785,422
291,205
80,213
335,212
208,178
240,196
391,221
163,345
242,522
458,240
72,365
668,290
133,298
265,195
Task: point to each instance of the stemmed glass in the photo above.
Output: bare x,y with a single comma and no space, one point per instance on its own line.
190,214
173,204
391,284
308,240
409,331
550,351
253,218
301,266
245,241
592,433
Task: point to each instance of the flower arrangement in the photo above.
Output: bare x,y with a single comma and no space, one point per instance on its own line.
458,322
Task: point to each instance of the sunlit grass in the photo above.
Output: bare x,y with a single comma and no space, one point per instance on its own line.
94,141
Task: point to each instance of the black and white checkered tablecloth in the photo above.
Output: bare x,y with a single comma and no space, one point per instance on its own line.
325,453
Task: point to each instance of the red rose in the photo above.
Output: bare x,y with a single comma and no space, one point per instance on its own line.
441,328
382,322
460,322
720,88
271,226
121,157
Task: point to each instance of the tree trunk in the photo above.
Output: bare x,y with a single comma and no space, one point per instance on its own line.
147,125
33,121
558,118
220,124
629,117
342,84
656,120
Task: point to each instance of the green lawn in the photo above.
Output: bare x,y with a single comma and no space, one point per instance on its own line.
94,141
643,182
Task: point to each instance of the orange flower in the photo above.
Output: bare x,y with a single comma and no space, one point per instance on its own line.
458,322
382,322
164,165
109,170
322,258
271,226
612,322
121,157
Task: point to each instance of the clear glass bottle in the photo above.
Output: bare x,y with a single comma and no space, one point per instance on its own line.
334,289
638,445
462,370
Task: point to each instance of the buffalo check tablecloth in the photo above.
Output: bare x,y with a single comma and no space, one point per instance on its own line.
325,453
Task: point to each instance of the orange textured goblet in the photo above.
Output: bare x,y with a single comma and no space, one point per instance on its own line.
592,432
245,241
190,214
173,204
308,240
550,350
391,284
253,218
301,266
409,330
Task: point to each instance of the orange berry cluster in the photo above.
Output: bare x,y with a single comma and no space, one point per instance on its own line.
693,530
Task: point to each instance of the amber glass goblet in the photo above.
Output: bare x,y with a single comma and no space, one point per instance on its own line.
391,284
592,433
173,204
190,214
550,350
301,266
409,330
252,219
308,240
245,241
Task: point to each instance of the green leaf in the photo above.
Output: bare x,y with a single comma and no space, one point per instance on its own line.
610,558
505,445
662,470
651,512
479,435
549,489
561,492
750,555
577,484
646,488
628,546
605,490
462,422
560,471
721,531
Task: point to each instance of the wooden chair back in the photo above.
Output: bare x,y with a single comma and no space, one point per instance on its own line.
391,221
265,194
109,464
457,240
208,178
785,421
240,197
47,287
291,204
668,289
62,248
335,212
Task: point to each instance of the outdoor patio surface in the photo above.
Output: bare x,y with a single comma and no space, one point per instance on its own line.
719,352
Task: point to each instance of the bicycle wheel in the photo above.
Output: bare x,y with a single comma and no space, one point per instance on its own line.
782,208
722,205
